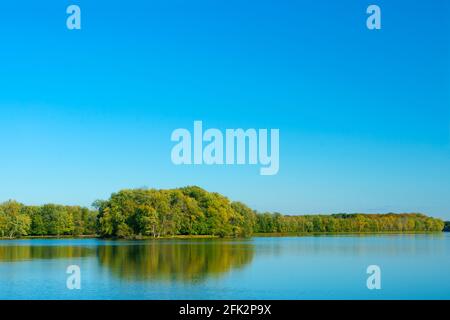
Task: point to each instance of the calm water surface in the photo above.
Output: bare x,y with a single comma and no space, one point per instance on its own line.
320,267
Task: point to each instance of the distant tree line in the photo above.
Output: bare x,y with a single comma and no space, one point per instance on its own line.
191,210
18,220
407,222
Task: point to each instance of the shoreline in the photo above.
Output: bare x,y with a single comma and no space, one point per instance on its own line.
255,235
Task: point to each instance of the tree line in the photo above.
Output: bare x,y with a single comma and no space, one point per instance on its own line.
138,213
390,222
18,220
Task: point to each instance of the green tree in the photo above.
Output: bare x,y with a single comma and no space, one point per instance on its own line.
13,222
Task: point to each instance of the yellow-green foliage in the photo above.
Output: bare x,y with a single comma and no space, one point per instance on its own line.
184,211
406,222
188,211
18,220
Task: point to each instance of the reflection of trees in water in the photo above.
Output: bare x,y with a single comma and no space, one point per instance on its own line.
351,244
174,261
158,260
11,253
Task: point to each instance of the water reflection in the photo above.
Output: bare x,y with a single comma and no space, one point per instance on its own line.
193,261
16,253
156,260
392,245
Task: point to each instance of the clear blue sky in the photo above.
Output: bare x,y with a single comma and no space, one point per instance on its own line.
364,116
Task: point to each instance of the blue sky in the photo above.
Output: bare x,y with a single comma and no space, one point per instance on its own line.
364,116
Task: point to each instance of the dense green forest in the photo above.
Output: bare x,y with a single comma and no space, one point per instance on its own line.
406,222
184,211
155,213
18,220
